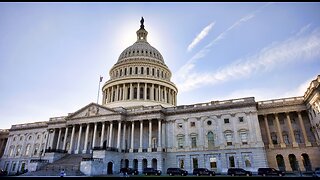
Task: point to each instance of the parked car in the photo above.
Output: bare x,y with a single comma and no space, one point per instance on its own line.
129,171
316,172
203,171
270,171
239,172
177,171
151,171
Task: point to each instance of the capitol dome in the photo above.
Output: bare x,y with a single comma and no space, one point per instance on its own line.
140,77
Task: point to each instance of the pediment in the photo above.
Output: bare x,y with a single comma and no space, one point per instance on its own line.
90,110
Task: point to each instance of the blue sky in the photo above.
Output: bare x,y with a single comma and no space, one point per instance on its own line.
52,54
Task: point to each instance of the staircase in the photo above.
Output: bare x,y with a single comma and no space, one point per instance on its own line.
70,163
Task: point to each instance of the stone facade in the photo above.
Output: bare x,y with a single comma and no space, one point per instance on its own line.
138,125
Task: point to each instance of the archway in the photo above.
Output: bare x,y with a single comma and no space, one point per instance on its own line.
154,163
126,163
306,162
144,163
135,164
104,144
110,167
280,162
293,162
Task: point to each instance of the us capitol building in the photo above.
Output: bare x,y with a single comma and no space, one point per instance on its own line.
139,125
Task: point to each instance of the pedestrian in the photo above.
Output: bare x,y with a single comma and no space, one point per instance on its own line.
62,173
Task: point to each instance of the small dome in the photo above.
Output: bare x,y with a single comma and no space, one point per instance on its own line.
141,48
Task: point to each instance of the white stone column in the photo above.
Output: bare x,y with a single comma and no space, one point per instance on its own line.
84,151
282,144
294,143
111,100
117,93
132,136
110,135
52,138
268,130
124,90
72,137
138,91
79,139
102,134
94,135
65,139
150,135
131,91
119,136
159,93
152,92
124,136
165,94
145,91
304,133
141,133
58,141
159,134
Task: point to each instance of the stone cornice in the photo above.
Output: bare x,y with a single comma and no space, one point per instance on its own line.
313,85
283,102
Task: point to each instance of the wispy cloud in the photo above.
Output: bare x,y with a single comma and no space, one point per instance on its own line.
188,66
295,48
200,36
185,69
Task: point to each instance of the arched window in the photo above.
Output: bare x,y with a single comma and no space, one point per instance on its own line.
11,151
28,150
147,70
135,93
141,70
136,71
130,70
18,150
210,140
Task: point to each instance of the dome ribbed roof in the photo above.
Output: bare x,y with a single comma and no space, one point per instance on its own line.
141,49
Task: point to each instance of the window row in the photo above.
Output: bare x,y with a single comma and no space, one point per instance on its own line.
16,151
140,70
29,137
142,52
228,135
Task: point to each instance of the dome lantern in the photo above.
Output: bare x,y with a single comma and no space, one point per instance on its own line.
142,33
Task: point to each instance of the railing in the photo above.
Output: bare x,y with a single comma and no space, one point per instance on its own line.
55,150
39,161
154,150
92,159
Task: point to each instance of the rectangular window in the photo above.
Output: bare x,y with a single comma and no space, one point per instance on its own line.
231,161
240,119
226,120
195,162
213,162
180,142
229,139
193,142
192,124
244,137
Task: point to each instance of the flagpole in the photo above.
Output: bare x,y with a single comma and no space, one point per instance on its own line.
99,88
